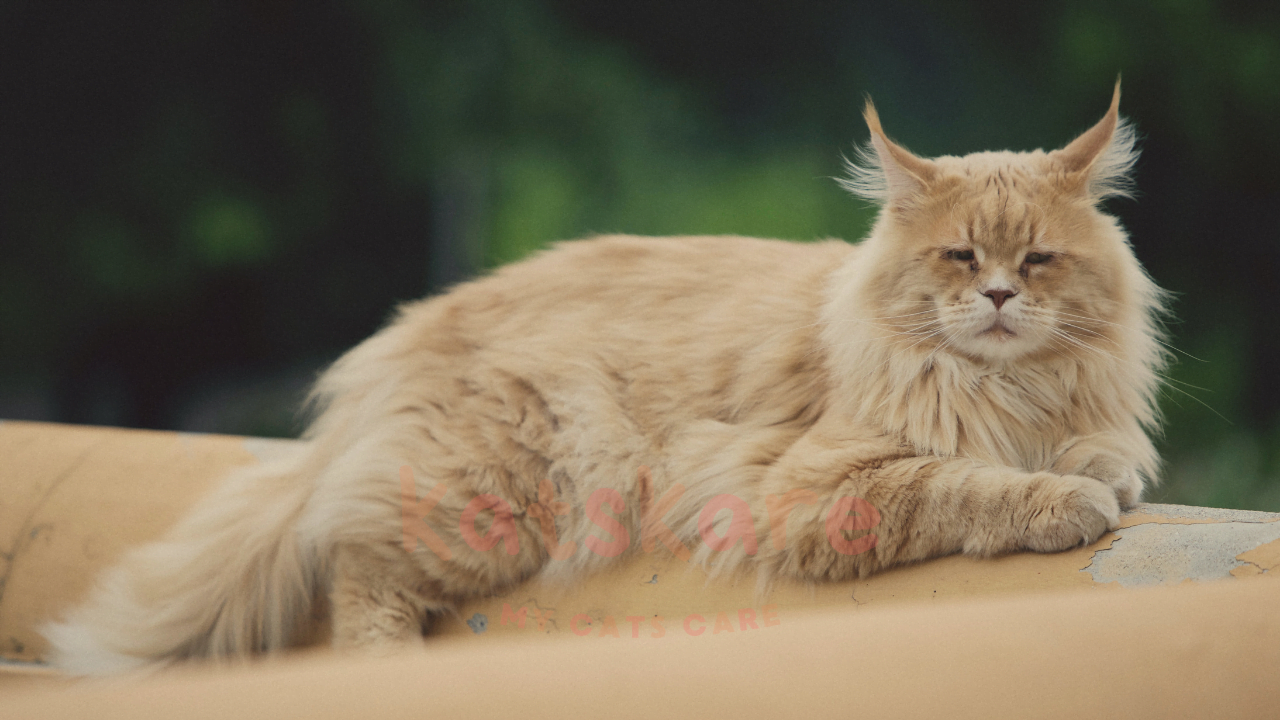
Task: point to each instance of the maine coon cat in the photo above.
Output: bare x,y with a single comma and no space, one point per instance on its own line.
978,375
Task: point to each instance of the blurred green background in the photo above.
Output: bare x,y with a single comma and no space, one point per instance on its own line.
202,202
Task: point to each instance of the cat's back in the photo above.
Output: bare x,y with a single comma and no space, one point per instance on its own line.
710,263
673,328
622,285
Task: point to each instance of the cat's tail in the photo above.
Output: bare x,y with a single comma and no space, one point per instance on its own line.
234,577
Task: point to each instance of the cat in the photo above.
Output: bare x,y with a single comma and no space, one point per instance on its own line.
978,375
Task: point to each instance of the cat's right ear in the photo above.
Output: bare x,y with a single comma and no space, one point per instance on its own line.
884,172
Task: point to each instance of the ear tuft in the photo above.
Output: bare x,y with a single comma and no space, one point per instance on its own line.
864,177
882,171
1101,160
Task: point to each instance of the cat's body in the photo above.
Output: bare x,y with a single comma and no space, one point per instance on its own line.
978,375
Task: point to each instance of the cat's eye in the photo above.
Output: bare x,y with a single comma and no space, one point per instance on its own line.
1037,258
965,255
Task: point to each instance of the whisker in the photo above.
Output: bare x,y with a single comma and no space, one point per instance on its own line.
1126,327
858,320
1078,343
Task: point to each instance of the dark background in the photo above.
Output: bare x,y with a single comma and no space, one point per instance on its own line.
204,201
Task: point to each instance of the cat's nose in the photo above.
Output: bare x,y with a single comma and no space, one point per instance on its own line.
999,295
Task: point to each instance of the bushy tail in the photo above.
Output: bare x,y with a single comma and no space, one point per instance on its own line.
234,577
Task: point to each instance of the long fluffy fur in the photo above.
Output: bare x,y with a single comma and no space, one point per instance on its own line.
232,578
713,366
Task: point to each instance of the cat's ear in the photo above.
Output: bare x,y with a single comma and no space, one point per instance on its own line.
1099,162
884,172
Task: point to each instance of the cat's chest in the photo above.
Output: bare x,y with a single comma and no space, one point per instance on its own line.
1002,418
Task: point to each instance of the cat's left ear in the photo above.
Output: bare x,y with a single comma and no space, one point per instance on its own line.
1099,162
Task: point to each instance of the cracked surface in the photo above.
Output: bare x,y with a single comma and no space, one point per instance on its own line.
1161,553
1186,514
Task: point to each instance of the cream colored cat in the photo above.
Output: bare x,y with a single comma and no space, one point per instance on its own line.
977,376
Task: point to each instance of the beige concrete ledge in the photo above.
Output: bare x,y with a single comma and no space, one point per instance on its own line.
1201,651
75,497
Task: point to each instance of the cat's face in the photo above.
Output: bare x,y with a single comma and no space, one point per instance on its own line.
1001,264
999,256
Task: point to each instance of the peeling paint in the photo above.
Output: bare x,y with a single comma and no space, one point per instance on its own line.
1259,560
1156,553
1204,514
478,623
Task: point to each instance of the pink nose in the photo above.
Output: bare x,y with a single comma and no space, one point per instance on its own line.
999,295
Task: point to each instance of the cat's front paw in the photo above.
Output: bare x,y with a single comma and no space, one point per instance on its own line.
1106,467
1123,480
1076,511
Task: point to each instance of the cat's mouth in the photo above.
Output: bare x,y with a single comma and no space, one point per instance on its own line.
999,330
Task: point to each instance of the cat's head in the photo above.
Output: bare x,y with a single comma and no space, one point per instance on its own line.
1001,255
